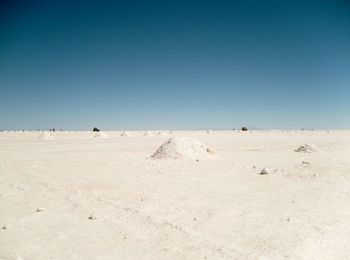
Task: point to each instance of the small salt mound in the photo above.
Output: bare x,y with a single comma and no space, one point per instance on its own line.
181,148
264,171
125,134
305,148
45,136
101,135
209,131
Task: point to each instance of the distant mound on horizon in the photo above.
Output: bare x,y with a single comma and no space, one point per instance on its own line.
45,136
126,133
162,133
101,135
148,133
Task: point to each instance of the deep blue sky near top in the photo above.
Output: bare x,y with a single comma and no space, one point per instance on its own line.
174,64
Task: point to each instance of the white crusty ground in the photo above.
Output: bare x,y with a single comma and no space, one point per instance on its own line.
80,197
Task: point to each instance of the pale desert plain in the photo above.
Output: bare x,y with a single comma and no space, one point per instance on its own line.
82,195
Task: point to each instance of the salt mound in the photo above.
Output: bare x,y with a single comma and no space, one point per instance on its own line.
101,135
125,134
181,148
305,148
264,171
209,131
45,136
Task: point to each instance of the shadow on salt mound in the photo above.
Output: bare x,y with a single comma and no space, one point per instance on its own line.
182,148
100,135
45,136
306,148
125,134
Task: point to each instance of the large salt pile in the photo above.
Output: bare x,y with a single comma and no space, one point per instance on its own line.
101,135
305,148
182,148
45,136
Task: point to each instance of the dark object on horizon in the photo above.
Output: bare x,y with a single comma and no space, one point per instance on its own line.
244,129
96,129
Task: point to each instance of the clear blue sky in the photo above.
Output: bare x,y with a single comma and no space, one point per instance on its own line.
174,64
